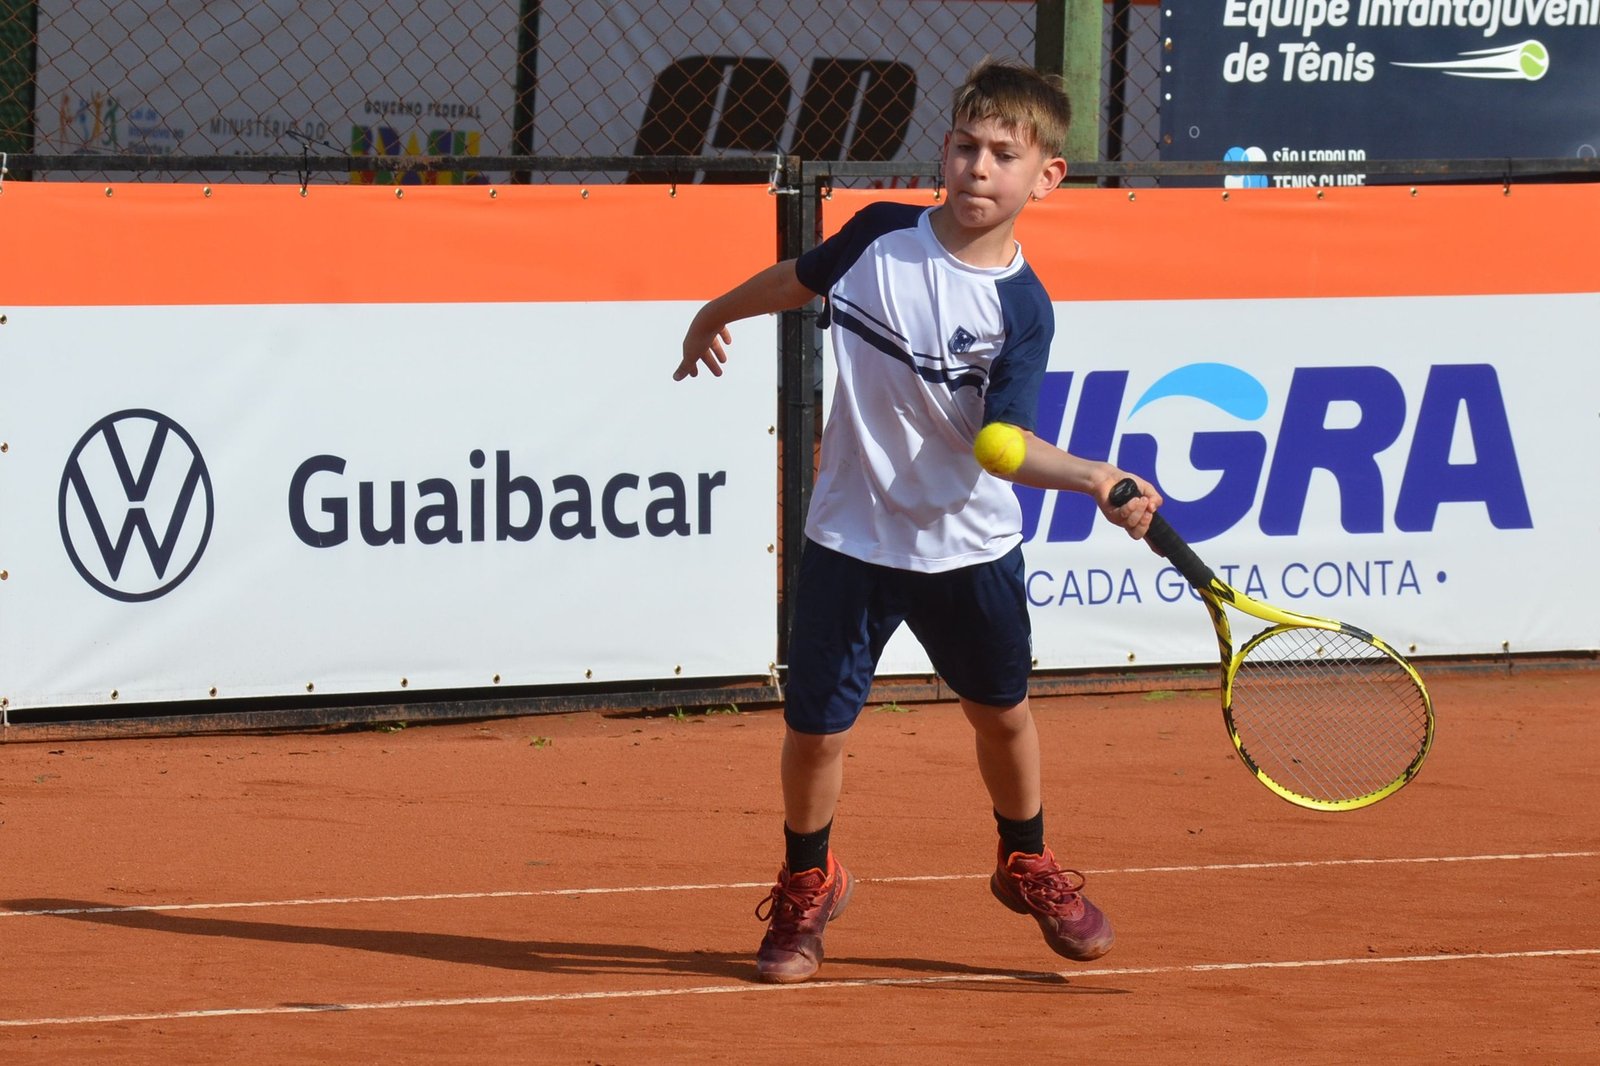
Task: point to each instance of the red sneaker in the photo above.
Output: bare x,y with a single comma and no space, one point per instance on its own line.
798,910
1034,885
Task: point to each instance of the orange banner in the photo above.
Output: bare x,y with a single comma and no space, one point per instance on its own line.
138,244
1196,244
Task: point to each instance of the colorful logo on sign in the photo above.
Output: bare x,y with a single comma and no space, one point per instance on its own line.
1333,422
1244,181
392,142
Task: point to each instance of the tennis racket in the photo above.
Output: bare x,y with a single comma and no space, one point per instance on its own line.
1324,714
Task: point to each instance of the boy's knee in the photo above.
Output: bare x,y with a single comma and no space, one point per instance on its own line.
815,747
998,720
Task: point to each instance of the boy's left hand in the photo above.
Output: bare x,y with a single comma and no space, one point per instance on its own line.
702,345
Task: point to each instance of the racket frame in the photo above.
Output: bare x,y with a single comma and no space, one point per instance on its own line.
1215,593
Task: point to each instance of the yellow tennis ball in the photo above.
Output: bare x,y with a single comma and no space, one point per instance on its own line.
999,448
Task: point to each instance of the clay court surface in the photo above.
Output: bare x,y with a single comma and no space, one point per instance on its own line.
580,888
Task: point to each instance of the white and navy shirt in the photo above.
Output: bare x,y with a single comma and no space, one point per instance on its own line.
929,350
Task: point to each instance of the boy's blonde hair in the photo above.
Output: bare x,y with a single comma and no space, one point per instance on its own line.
1031,104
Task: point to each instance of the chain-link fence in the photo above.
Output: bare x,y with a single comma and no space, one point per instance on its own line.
1130,124
233,82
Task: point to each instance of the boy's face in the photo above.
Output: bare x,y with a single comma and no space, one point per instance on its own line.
992,170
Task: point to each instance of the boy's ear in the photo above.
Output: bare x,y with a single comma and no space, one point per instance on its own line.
1055,171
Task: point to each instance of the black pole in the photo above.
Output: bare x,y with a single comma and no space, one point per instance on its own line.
1049,36
799,228
527,86
1117,90
19,46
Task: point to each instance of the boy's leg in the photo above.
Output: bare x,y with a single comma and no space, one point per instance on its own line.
812,768
813,886
974,624
841,625
1027,878
1008,757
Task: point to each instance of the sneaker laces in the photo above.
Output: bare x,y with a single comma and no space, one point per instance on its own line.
1051,889
787,907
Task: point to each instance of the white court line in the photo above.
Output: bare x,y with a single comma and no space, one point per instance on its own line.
630,889
810,986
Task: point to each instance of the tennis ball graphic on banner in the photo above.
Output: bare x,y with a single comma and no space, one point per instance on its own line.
1534,60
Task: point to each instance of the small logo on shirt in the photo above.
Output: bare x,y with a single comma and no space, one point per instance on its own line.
961,341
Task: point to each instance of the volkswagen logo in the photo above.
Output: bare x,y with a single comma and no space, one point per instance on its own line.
135,505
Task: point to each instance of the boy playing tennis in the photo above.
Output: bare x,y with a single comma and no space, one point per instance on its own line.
939,328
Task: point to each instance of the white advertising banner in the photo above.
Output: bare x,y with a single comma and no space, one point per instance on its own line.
1396,462
231,77
215,498
345,498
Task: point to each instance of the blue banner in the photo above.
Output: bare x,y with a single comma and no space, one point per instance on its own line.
1356,80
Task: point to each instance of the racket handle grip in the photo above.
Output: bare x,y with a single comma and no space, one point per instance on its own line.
1165,540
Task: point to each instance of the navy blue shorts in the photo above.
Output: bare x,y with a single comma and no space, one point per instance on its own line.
972,622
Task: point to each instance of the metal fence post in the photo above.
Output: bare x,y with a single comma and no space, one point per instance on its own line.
19,32
798,229
527,86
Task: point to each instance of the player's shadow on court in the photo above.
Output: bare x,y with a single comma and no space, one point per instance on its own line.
533,956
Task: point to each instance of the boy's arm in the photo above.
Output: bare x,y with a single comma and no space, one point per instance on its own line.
777,288
1044,466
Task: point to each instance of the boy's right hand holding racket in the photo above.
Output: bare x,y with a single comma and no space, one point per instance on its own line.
1132,515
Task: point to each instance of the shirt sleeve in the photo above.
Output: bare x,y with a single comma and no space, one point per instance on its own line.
820,267
1017,373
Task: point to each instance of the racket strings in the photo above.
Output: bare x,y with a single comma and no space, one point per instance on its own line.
1342,746
1327,714
1321,728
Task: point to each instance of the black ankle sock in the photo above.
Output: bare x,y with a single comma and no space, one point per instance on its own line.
806,851
1027,837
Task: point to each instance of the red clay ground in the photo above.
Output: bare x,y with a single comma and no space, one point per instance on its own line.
586,885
